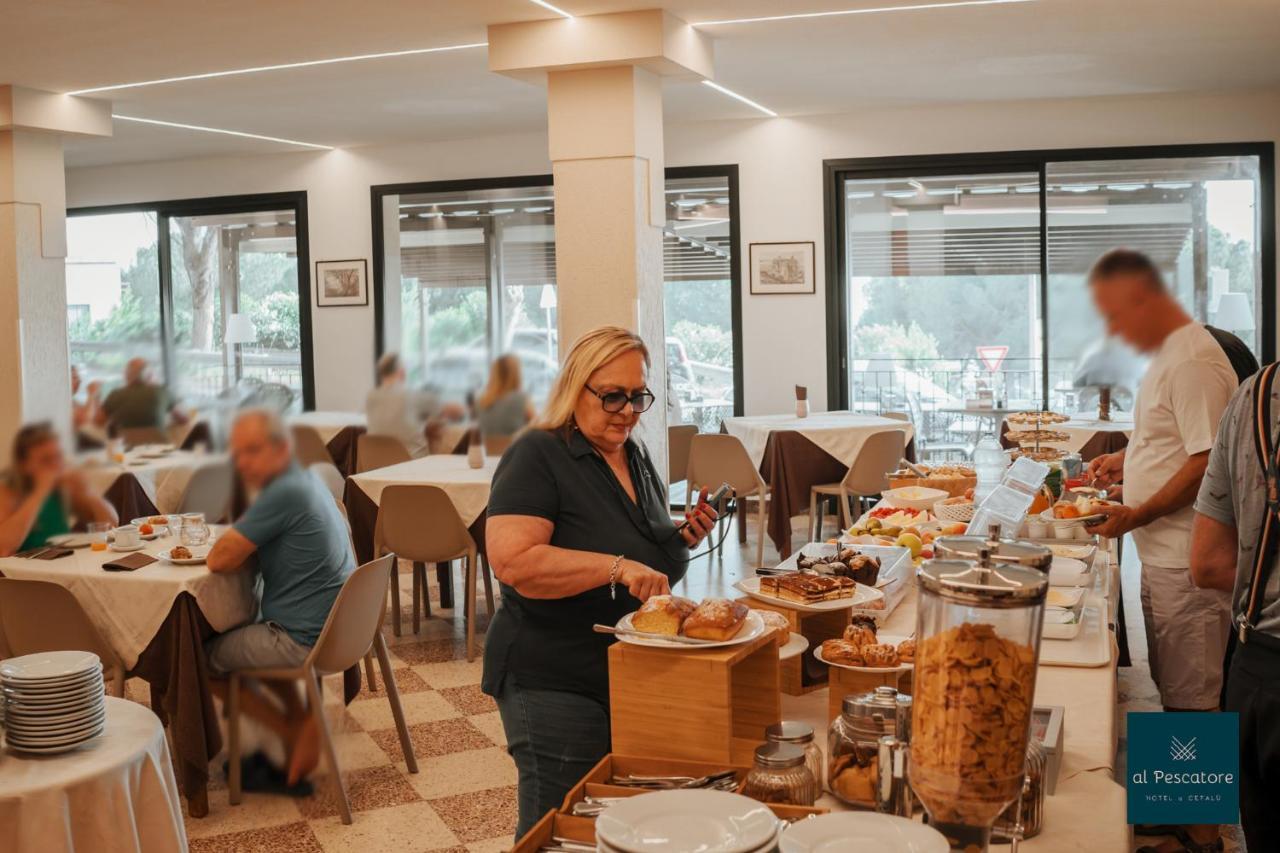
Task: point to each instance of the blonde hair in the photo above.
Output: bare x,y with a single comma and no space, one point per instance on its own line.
504,377
589,353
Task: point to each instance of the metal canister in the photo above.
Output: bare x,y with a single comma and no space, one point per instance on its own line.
853,745
990,552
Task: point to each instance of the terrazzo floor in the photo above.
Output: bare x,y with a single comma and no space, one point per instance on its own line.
464,798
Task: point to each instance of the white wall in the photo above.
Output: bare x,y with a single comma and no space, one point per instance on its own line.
780,162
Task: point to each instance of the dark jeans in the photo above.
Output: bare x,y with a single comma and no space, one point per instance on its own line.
555,737
1253,691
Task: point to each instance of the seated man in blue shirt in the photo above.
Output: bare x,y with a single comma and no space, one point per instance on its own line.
304,555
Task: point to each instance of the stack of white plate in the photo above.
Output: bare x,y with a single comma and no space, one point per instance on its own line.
687,821
862,831
53,701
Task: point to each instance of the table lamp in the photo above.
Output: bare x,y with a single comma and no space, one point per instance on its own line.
240,330
1234,313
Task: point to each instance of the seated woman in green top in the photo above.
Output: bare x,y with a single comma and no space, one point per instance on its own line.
42,493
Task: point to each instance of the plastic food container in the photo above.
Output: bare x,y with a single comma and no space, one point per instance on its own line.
914,497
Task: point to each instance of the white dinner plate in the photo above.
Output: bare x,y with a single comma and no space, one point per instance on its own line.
862,595
43,666
1075,552
67,740
59,692
114,547
199,553
58,734
769,846
53,683
55,705
793,647
752,627
1068,571
49,750
865,832
687,821
48,727
70,540
885,639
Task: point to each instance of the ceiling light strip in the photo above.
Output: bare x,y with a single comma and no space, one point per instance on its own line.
743,98
260,68
222,131
544,4
918,7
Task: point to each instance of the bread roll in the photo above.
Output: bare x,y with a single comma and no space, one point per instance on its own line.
716,619
662,614
841,651
880,655
776,623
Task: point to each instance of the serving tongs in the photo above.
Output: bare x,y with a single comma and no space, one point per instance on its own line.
711,780
593,806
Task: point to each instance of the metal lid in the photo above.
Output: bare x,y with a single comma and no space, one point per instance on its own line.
882,701
1003,552
778,755
789,731
964,582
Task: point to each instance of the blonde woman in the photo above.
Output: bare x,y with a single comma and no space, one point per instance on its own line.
503,408
578,532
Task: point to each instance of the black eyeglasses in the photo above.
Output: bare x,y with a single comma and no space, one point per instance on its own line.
614,401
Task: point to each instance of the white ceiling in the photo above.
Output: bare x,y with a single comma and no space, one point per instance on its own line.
1041,49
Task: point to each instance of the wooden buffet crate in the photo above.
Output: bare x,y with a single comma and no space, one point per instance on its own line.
845,682
707,705
556,825
796,680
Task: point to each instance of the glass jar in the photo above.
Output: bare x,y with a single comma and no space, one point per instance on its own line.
853,744
1024,818
780,775
194,529
800,734
978,642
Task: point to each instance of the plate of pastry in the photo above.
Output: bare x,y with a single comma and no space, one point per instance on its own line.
864,649
181,555
714,623
809,592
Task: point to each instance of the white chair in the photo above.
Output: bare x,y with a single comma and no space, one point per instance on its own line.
353,627
678,438
209,491
308,446
868,475
717,458
328,473
379,451
897,416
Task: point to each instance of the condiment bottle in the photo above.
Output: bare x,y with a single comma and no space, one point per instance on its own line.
800,734
780,775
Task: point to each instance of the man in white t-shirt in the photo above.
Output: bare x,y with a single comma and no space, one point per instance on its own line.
1180,402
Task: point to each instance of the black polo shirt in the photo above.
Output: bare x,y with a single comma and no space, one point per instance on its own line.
548,644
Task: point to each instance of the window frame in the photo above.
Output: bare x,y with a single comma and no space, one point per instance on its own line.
212,206
836,171
728,171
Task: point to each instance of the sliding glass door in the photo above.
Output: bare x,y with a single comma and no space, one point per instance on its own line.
962,278
213,292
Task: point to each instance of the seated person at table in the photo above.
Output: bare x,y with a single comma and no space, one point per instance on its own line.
139,403
503,409
409,414
42,493
304,556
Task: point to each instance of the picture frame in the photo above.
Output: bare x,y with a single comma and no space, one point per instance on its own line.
341,284
782,268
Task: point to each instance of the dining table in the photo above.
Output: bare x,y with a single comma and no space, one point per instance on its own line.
156,619
147,480
340,432
793,454
115,794
467,488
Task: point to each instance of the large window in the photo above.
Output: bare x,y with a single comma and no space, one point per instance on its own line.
214,292
958,278
465,271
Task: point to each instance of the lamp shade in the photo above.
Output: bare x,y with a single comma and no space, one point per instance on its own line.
1234,312
548,297
240,329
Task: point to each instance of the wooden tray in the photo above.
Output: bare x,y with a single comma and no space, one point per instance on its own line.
556,825
616,765
708,705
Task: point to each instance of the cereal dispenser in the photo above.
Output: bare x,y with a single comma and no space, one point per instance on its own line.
978,641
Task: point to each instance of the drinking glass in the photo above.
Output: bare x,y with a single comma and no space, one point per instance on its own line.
194,529
98,535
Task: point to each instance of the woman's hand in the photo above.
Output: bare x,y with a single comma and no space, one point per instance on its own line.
701,521
642,581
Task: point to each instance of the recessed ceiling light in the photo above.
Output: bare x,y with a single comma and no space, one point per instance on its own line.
742,98
237,71
991,190
1172,185
544,4
222,131
1127,188
918,7
537,209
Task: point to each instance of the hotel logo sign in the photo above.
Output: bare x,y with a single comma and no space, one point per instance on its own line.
1184,768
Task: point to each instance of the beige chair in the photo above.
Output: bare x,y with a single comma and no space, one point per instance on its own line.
42,616
379,451
420,523
496,445
867,476
209,491
136,436
897,416
718,458
308,446
328,473
354,625
678,438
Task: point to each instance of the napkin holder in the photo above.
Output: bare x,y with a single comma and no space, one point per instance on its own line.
802,401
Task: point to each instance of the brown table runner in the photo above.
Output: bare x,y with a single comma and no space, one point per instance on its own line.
129,498
342,447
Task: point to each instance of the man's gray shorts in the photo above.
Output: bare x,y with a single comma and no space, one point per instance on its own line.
262,645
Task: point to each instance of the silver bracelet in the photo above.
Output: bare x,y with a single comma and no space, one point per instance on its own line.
613,577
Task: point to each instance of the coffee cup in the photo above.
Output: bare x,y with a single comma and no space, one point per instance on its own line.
127,536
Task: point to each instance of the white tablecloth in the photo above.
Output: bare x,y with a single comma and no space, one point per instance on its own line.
329,424
116,794
164,479
467,487
839,433
128,608
1082,428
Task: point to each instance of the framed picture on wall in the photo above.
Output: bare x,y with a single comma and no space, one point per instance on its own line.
340,283
782,268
